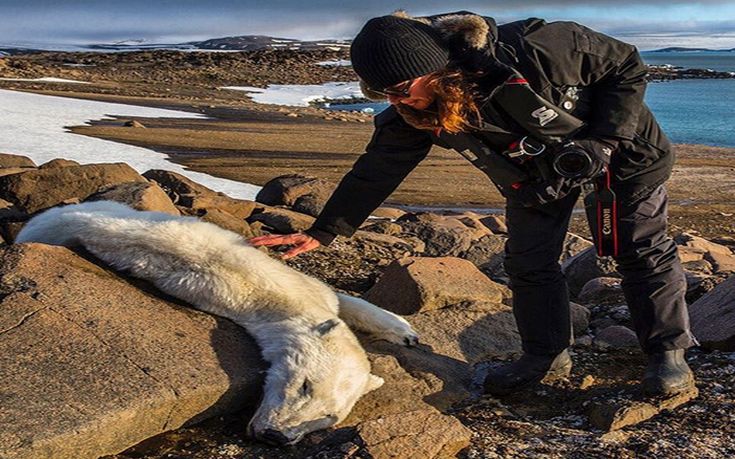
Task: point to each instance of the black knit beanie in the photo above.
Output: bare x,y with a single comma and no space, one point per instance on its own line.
391,49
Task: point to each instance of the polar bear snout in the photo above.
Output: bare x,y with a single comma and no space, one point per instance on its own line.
274,437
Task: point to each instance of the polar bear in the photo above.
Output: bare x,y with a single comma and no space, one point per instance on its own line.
318,370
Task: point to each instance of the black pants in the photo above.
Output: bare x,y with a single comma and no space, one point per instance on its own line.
653,279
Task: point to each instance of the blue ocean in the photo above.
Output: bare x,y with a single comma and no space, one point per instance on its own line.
690,111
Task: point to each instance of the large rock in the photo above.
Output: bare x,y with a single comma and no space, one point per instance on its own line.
239,208
470,332
694,248
496,223
625,409
92,364
287,189
713,317
403,418
13,170
473,221
382,227
418,434
58,162
615,337
280,220
138,195
580,318
43,188
310,204
573,245
391,213
222,219
586,266
488,254
176,185
602,290
443,236
8,160
410,285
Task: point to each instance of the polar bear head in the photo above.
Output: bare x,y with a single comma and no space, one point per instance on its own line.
314,380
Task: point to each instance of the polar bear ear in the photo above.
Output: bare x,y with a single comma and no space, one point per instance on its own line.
373,383
325,327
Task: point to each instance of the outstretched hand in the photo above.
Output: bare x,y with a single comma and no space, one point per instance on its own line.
301,243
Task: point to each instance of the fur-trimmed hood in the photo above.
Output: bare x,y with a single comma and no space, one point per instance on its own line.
465,34
462,28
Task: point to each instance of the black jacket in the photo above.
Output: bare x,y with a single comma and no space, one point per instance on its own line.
593,76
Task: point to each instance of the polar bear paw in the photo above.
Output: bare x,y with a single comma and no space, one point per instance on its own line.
399,332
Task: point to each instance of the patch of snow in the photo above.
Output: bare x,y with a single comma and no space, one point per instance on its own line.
36,125
46,80
336,63
297,95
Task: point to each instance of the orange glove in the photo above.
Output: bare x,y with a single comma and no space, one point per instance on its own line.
301,243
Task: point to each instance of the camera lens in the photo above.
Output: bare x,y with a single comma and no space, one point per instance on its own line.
572,163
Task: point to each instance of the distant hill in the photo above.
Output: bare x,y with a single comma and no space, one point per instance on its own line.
239,43
255,42
683,50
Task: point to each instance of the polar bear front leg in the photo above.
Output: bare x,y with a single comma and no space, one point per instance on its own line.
364,316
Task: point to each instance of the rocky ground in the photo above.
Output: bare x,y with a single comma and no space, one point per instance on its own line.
254,143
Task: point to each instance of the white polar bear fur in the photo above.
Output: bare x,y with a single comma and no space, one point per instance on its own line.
318,370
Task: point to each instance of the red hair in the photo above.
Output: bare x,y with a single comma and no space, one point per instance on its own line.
454,109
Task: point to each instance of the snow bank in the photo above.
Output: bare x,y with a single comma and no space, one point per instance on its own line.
336,63
34,125
46,80
302,95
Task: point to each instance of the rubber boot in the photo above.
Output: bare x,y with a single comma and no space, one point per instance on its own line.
667,374
529,369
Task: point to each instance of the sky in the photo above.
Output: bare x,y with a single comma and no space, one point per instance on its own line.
649,24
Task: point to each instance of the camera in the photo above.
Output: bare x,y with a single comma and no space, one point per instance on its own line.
572,161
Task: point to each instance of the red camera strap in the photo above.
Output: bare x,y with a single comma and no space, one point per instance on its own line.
607,217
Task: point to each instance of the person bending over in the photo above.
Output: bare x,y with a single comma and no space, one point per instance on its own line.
548,111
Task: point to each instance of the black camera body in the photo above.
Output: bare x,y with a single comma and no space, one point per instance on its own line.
572,161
